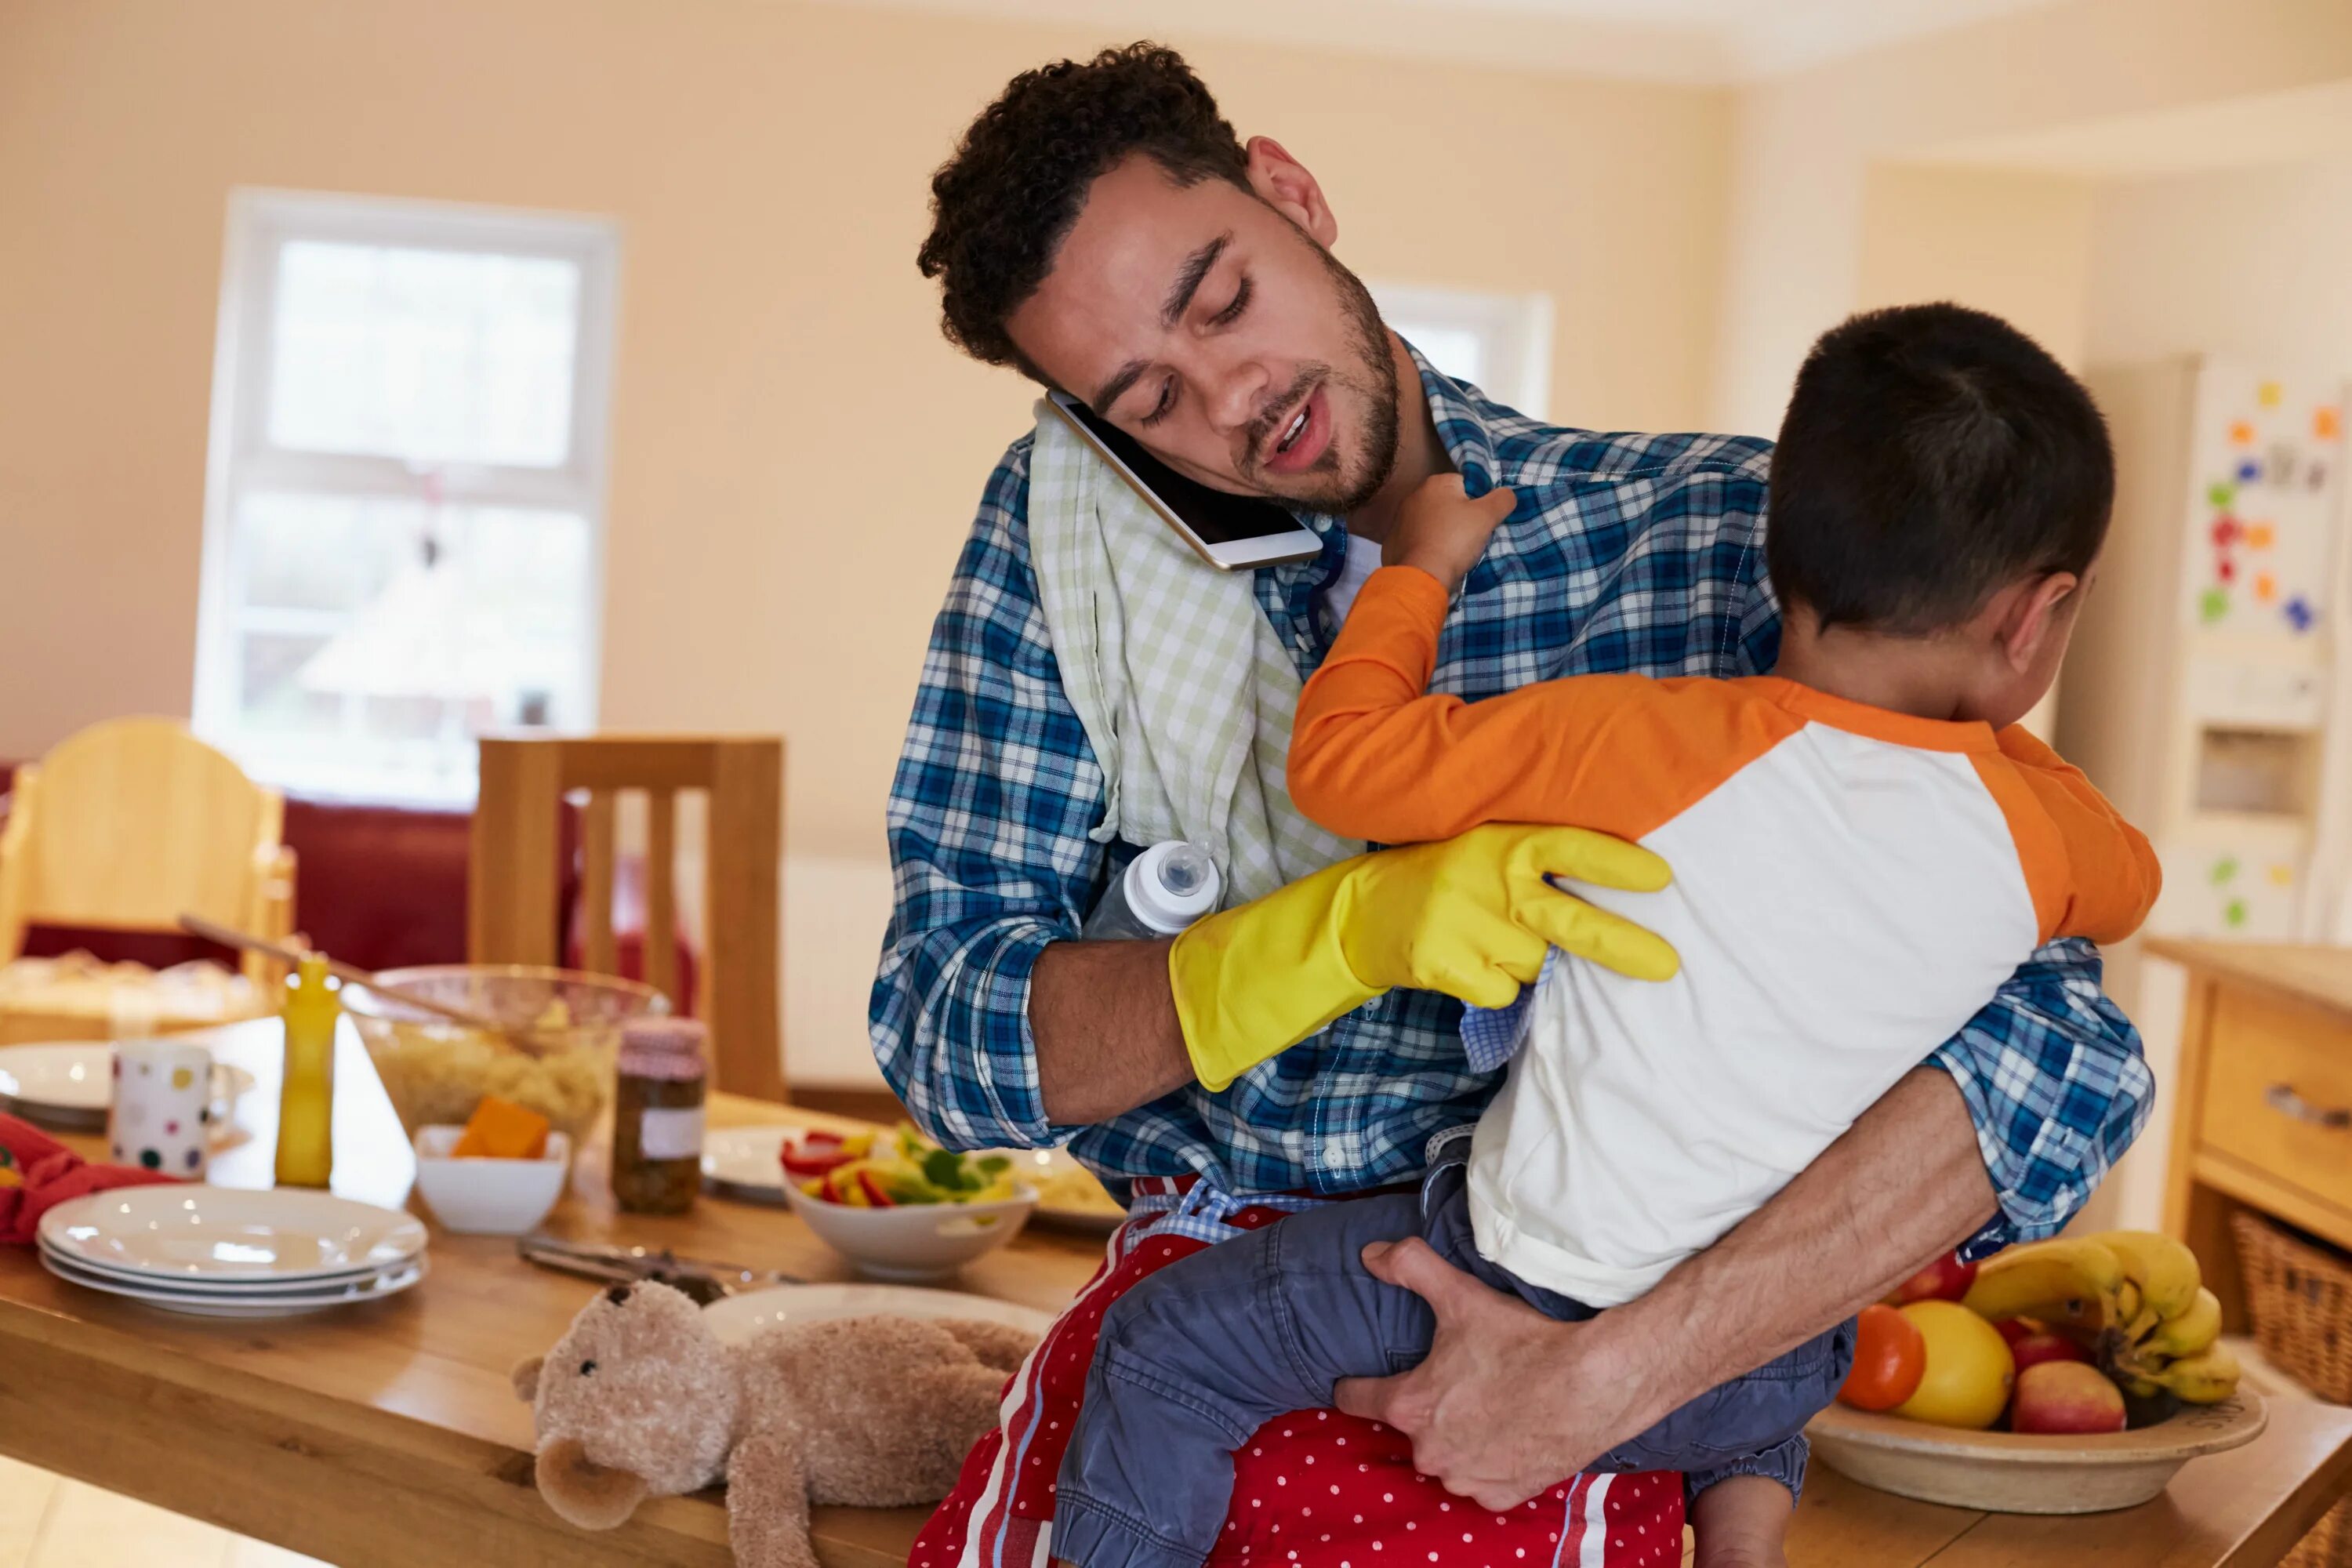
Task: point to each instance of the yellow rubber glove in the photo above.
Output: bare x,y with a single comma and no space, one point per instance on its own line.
1470,916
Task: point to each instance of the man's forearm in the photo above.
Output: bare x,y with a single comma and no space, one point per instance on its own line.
1903,1186
1104,1023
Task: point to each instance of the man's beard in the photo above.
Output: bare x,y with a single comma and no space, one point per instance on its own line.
1373,376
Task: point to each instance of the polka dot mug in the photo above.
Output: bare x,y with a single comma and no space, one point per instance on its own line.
163,1103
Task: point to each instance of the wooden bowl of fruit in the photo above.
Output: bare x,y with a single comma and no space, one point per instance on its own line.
2065,1376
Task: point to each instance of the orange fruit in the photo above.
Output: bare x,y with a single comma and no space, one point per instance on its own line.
1889,1356
1970,1368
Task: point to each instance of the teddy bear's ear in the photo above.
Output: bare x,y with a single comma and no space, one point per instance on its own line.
525,1378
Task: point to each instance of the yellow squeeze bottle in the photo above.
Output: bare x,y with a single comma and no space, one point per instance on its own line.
305,1101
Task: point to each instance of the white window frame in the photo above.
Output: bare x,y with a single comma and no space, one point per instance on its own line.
241,456
1516,330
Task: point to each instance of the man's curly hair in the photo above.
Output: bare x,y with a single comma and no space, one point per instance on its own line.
1004,204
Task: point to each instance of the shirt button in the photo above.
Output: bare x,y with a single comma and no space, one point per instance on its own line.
1335,1152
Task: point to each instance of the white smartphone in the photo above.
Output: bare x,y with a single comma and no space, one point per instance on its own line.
1230,532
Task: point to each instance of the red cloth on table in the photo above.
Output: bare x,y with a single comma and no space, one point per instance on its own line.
1312,1489
37,1173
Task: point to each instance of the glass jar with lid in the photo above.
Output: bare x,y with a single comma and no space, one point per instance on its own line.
657,1116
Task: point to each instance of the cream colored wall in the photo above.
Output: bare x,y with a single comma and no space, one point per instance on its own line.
2018,245
795,453
1805,144
2254,264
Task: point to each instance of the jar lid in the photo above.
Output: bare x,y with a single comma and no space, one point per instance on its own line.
660,1034
662,1047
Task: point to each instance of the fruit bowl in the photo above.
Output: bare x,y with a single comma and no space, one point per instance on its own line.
2007,1472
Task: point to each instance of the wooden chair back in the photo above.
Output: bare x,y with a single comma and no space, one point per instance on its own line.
514,874
126,824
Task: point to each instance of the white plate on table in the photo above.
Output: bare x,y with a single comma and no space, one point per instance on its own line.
737,1317
70,1085
204,1285
746,1164
283,1303
184,1232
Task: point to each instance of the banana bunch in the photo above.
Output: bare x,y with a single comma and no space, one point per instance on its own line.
2137,1297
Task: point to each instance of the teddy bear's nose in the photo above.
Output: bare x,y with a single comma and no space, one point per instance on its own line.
618,1295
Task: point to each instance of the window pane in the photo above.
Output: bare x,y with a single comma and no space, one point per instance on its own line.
428,355
451,619
1459,351
271,691
298,551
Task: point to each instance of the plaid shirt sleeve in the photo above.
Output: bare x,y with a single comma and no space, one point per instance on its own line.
2054,1078
2051,1069
989,813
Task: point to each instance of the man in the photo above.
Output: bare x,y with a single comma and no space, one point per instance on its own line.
1102,229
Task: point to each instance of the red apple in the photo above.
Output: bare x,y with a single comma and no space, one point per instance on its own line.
2065,1396
1946,1280
2016,1329
2031,1350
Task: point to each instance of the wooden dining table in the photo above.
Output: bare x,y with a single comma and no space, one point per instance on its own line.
388,1434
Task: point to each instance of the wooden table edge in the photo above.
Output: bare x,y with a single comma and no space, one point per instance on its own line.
233,1448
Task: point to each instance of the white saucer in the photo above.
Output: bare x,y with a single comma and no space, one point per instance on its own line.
737,1317
178,1232
283,1304
70,1084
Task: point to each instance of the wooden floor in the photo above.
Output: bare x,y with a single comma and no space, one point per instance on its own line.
47,1521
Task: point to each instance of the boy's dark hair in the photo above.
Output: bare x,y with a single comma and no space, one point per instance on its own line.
1004,204
1931,456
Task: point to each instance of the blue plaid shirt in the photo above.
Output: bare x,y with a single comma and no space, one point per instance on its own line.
1624,552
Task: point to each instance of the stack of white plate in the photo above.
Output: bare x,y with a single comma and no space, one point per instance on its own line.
222,1252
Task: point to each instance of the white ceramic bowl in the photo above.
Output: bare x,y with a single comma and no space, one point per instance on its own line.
489,1198
914,1241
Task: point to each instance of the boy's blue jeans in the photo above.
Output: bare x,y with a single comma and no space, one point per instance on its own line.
1200,1355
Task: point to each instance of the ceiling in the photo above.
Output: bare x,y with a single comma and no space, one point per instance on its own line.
1694,41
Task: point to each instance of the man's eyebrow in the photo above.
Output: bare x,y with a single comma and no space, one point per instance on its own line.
1114,389
1188,279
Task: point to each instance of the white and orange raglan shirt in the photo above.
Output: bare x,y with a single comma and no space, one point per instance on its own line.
1851,885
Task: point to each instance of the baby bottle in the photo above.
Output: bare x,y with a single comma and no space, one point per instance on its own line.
1163,890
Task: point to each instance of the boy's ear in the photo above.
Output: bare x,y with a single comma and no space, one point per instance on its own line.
2029,614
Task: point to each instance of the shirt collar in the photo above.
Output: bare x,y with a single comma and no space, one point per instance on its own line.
1461,426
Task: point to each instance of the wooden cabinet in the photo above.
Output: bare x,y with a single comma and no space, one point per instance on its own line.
2262,1098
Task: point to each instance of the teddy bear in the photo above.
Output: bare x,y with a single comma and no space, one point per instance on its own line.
640,1399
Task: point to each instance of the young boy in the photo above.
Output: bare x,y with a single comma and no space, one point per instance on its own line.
1864,846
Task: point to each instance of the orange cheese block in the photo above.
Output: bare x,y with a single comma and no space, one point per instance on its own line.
501,1130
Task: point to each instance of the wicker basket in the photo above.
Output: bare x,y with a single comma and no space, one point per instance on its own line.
2299,1296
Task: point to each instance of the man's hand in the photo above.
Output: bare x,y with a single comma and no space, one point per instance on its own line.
1509,1401
1471,916
1441,530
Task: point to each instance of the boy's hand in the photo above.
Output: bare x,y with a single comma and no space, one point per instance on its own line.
1441,530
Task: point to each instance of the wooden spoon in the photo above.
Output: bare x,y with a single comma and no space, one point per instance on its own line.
196,925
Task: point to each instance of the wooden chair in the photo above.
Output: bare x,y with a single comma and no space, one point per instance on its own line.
127,823
514,874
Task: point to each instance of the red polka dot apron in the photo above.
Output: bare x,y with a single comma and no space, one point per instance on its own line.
1312,1489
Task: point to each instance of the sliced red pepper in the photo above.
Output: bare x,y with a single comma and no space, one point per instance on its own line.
805,1164
817,1137
874,1191
810,1157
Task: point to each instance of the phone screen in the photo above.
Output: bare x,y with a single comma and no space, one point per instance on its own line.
1216,516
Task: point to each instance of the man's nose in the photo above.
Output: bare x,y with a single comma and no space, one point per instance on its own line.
1237,395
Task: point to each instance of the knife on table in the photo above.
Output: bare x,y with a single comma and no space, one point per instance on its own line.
700,1280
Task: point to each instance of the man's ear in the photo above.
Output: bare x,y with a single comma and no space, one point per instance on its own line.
1283,182
2031,613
